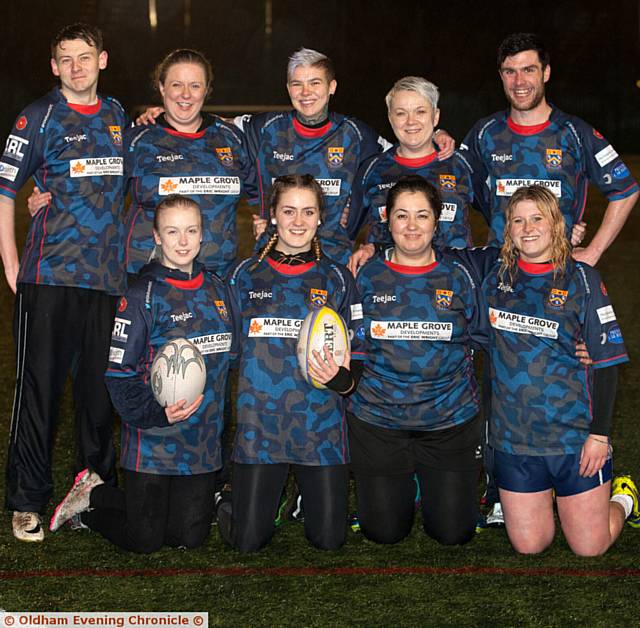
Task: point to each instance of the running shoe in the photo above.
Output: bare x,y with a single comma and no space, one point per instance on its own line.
76,500
495,518
27,526
624,485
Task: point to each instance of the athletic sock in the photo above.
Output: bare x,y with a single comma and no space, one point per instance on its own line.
625,501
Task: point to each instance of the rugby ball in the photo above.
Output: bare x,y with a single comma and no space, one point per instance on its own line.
321,327
178,372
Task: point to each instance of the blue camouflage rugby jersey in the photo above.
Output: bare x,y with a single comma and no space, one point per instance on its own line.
74,152
163,304
377,175
278,144
281,417
562,154
541,394
209,166
419,322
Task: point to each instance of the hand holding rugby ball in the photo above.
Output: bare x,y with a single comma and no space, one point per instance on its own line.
178,372
321,327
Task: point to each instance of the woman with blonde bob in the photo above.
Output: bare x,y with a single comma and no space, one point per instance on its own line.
550,418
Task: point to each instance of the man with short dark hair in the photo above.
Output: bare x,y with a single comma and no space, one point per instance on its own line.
71,270
534,142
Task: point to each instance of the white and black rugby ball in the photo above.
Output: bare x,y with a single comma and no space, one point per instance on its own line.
321,327
178,372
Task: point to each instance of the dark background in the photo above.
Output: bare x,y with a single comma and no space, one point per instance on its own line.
595,51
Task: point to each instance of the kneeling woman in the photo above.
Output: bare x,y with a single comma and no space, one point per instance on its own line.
550,416
283,420
169,455
415,412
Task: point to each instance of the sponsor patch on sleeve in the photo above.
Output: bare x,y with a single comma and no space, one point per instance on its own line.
620,172
606,314
606,155
614,336
116,355
7,171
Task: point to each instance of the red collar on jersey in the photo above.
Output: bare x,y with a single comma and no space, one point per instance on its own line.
305,131
287,269
523,129
535,269
187,284
86,110
411,270
193,136
416,162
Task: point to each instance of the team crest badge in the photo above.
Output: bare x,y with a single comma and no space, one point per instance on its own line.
225,156
448,182
122,304
116,135
21,123
554,158
603,289
222,310
557,298
318,297
335,156
443,299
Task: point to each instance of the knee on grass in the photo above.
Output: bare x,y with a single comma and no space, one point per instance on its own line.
589,548
451,535
386,534
531,546
330,540
248,543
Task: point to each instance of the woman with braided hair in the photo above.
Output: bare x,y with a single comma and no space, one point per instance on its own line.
284,421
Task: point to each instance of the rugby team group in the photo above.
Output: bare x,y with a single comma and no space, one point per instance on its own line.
101,286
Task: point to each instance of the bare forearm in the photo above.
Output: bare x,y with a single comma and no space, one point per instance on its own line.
614,218
8,248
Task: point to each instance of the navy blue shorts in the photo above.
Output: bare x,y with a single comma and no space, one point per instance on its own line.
531,474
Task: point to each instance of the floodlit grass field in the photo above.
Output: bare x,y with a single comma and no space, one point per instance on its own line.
415,583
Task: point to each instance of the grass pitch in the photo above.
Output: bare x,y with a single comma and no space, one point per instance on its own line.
414,583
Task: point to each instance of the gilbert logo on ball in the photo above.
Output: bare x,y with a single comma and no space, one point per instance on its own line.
178,372
321,327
